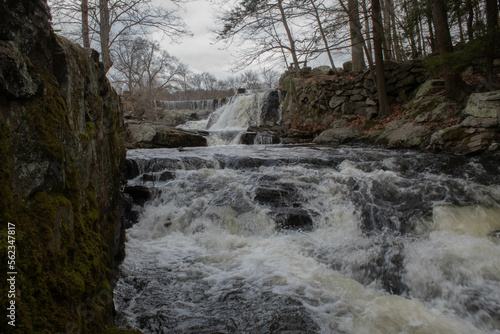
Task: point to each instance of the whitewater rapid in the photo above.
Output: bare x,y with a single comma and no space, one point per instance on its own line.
289,239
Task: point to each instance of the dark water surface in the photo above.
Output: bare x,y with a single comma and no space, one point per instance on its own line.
287,239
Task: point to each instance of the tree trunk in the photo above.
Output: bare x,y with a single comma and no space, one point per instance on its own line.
104,31
387,40
395,37
410,32
421,37
428,13
383,102
470,19
85,23
358,60
492,25
453,81
323,36
460,28
368,51
288,34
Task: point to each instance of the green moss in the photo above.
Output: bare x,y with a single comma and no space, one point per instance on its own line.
65,281
424,107
90,127
60,284
46,116
89,132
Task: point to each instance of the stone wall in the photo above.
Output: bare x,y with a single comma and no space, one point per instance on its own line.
62,157
313,99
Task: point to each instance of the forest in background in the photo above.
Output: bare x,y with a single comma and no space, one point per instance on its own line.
283,35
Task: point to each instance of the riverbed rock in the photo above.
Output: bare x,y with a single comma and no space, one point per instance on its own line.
174,138
338,135
139,133
140,194
410,135
285,204
149,135
131,169
293,219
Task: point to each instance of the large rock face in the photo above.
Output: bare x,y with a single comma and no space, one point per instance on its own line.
61,161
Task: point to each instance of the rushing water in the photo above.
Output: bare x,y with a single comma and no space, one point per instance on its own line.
228,123
287,239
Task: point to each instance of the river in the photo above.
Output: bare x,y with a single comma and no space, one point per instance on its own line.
312,239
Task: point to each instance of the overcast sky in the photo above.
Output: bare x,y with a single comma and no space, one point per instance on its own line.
199,52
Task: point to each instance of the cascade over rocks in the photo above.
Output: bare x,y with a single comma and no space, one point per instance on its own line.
62,157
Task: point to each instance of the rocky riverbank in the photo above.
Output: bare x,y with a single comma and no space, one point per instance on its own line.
322,107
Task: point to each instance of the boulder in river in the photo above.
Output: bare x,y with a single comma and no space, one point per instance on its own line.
151,135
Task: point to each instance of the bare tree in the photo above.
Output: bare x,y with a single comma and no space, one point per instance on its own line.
251,79
182,79
318,11
233,83
145,68
209,82
272,29
196,81
108,21
270,77
291,40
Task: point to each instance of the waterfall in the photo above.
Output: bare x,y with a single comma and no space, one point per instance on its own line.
231,121
305,239
208,105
